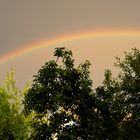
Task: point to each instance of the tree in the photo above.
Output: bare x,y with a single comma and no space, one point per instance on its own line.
58,96
121,97
13,125
130,88
65,106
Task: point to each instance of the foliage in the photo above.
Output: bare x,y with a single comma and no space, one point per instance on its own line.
121,97
130,88
13,125
65,106
59,94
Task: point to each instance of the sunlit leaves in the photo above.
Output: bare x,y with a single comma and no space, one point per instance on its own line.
13,125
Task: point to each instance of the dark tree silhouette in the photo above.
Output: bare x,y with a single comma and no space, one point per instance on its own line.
65,106
121,98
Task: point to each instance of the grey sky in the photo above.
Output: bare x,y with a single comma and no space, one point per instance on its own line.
26,21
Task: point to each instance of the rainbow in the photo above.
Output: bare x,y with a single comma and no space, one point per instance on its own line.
71,37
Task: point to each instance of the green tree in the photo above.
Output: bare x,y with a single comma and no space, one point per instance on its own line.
61,99
130,88
13,125
66,107
121,98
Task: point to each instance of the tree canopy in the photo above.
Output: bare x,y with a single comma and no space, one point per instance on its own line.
59,94
62,104
13,125
65,106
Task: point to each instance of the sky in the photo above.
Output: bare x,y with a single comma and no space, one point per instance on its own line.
31,22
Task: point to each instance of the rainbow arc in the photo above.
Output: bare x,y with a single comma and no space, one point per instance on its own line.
71,37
